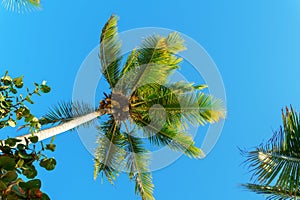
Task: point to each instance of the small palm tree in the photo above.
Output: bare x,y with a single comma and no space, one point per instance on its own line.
276,165
131,107
21,5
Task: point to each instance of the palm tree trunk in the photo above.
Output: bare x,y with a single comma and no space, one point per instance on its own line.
53,131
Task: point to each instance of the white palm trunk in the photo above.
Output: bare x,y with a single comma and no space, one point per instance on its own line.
53,131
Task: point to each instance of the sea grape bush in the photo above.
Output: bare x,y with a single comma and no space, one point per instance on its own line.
18,159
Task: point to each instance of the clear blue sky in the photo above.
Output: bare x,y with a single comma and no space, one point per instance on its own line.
255,44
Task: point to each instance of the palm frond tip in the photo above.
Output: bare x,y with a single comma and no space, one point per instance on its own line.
110,51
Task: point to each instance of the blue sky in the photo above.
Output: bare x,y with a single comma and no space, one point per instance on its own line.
255,45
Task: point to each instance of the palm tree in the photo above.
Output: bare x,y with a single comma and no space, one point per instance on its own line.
21,5
133,117
276,165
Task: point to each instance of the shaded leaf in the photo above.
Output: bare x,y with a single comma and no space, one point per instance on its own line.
7,163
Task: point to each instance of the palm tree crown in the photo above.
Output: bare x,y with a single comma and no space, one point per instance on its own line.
276,165
133,116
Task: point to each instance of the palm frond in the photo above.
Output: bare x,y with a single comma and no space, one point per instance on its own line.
273,193
288,140
110,51
21,6
109,155
152,92
144,185
131,62
176,140
161,50
210,109
138,167
268,167
153,62
278,161
179,101
164,134
67,111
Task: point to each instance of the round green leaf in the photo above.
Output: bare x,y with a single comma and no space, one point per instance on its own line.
45,88
34,139
7,163
12,142
45,197
36,183
6,80
18,82
48,164
21,147
9,176
29,172
5,149
51,147
13,90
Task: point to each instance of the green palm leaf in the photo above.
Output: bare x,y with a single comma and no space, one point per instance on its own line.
175,139
109,155
278,161
110,52
210,109
179,101
67,111
142,96
138,167
153,62
131,62
162,134
21,5
273,193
